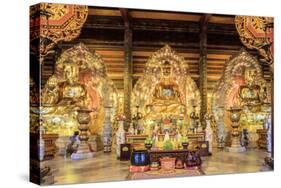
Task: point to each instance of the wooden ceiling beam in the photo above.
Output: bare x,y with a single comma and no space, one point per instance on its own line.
218,56
144,14
126,17
165,15
222,19
110,53
204,20
103,12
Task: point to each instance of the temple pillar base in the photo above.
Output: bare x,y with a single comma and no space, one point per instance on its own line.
83,152
237,149
252,145
80,156
93,143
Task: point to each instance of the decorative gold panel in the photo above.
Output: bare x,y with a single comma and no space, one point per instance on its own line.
257,33
51,23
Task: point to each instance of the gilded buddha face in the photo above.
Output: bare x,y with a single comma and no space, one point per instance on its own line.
250,75
52,82
166,68
71,72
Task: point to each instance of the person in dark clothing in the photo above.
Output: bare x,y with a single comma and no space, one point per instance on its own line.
73,144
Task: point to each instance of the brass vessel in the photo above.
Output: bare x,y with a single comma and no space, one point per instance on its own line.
235,114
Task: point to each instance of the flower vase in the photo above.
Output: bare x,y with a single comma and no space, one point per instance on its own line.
185,145
107,130
120,137
235,134
148,146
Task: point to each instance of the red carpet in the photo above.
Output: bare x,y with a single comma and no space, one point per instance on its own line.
163,174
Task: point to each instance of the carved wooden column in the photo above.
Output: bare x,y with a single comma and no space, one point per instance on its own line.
128,68
203,65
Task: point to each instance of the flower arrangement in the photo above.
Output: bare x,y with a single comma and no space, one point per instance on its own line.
184,139
184,142
120,117
167,121
148,141
168,145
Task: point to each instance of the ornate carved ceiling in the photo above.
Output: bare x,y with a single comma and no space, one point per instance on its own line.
52,23
257,33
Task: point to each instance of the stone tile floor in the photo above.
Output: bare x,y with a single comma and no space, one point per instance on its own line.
105,167
225,162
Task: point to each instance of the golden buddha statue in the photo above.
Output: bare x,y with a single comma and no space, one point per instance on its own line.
251,95
50,93
60,103
72,92
166,95
164,91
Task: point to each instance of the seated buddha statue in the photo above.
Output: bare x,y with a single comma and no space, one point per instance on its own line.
166,94
73,93
61,101
50,93
250,94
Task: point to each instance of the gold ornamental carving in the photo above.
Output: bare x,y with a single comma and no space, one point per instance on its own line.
80,80
51,23
166,88
235,75
242,85
257,33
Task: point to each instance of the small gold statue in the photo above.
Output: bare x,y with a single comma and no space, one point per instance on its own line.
50,94
251,94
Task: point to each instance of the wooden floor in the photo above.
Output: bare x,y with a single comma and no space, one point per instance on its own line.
105,167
